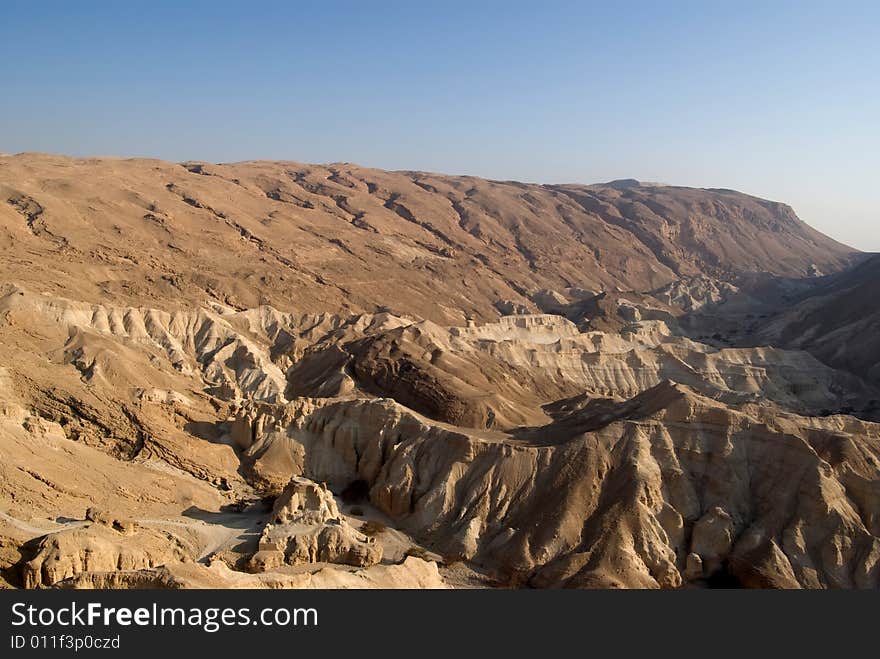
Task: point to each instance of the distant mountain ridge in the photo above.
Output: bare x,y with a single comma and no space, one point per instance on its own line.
348,238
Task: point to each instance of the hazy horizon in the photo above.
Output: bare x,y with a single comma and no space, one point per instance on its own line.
780,101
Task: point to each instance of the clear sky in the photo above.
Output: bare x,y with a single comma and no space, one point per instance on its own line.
781,100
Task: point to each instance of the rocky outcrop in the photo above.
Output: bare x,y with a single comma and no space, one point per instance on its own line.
104,545
695,293
307,527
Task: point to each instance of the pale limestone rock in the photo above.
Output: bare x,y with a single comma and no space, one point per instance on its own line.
308,528
99,548
410,574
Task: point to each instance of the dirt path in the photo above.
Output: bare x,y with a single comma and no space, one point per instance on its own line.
225,531
222,533
37,531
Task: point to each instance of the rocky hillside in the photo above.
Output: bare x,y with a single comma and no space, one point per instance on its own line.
839,321
346,238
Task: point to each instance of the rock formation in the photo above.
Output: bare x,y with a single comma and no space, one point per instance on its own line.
307,527
100,546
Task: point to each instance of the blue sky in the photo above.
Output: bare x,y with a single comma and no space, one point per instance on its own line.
781,100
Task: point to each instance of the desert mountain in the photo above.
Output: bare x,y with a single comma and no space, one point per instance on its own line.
269,374
346,238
